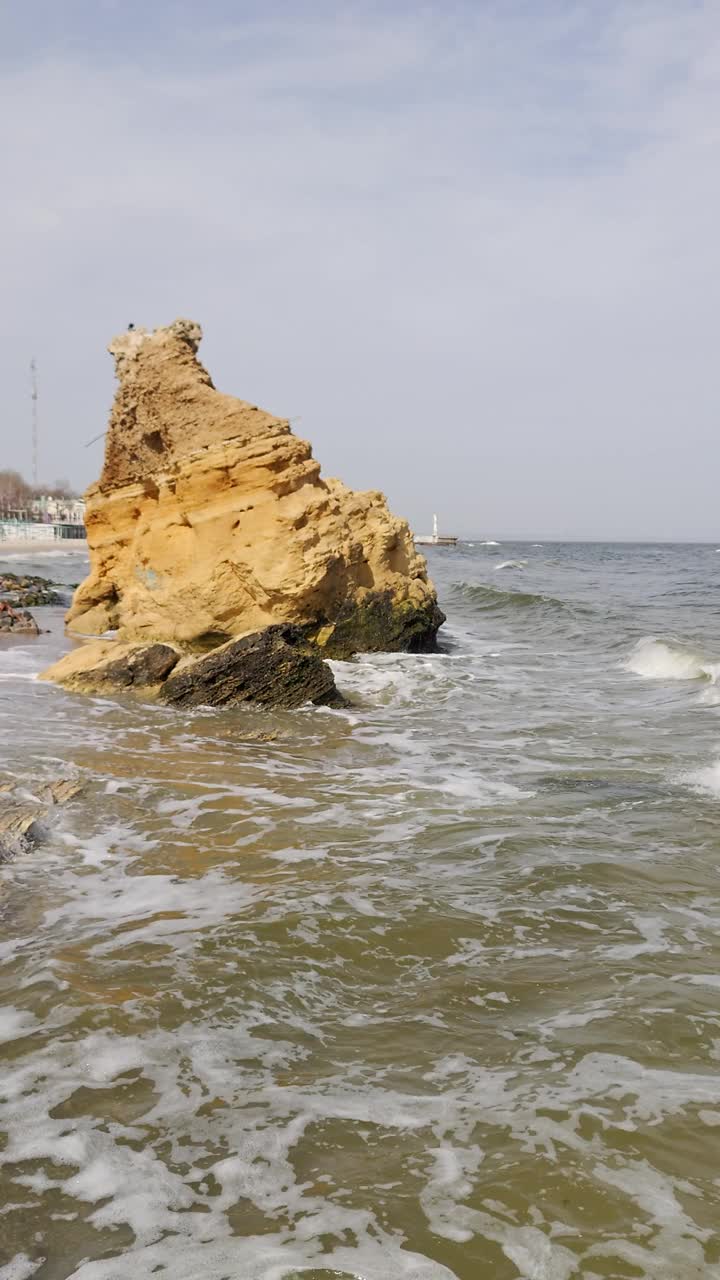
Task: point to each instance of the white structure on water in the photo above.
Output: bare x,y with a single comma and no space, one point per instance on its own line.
435,539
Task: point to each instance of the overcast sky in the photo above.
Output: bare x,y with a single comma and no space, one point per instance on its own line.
472,246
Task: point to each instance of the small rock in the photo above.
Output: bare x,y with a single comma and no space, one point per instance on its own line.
62,791
21,822
17,621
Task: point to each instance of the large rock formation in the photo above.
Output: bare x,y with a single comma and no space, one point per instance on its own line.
211,521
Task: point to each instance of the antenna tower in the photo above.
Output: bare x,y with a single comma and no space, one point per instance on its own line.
34,397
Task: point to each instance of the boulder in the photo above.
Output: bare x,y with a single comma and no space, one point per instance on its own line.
274,667
109,665
211,522
17,622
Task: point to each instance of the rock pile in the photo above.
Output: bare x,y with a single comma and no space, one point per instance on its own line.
27,592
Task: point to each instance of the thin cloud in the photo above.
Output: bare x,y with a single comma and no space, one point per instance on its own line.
471,246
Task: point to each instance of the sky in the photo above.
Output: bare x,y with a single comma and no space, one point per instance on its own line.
470,247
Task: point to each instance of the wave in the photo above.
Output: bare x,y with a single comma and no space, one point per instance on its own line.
511,564
488,543
706,781
490,597
668,660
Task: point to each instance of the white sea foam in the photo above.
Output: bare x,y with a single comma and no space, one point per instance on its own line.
21,1267
394,678
652,930
15,1023
705,781
699,979
667,660
489,543
511,564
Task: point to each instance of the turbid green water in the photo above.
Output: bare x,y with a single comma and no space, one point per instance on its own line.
428,989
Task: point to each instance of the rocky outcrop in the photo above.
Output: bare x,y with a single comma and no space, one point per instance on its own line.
211,521
16,622
275,667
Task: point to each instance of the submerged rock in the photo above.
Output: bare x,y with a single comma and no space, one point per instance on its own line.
22,819
211,522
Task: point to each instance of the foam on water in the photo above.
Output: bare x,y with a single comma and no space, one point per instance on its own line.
667,660
369,999
706,781
397,678
15,1023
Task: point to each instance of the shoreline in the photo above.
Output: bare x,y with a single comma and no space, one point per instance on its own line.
24,547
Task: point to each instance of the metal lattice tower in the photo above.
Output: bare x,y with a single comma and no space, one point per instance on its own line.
34,395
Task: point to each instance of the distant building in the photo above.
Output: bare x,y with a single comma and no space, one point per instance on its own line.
49,510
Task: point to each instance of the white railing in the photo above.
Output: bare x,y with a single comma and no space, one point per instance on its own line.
29,531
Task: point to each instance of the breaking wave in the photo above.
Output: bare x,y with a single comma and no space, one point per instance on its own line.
668,660
488,597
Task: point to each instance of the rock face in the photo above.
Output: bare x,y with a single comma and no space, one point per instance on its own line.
211,521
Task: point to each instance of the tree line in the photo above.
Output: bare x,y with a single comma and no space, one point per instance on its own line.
16,494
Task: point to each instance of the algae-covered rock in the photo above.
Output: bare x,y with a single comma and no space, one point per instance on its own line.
380,624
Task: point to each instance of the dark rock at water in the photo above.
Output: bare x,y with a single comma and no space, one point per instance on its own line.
274,668
27,591
380,623
146,666
17,621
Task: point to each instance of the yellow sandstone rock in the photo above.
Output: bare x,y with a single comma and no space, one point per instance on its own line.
211,520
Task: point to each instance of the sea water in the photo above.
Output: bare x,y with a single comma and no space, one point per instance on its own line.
428,988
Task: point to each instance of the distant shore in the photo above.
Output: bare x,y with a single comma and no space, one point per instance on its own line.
24,548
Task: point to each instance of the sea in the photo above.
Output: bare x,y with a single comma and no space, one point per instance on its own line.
423,989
